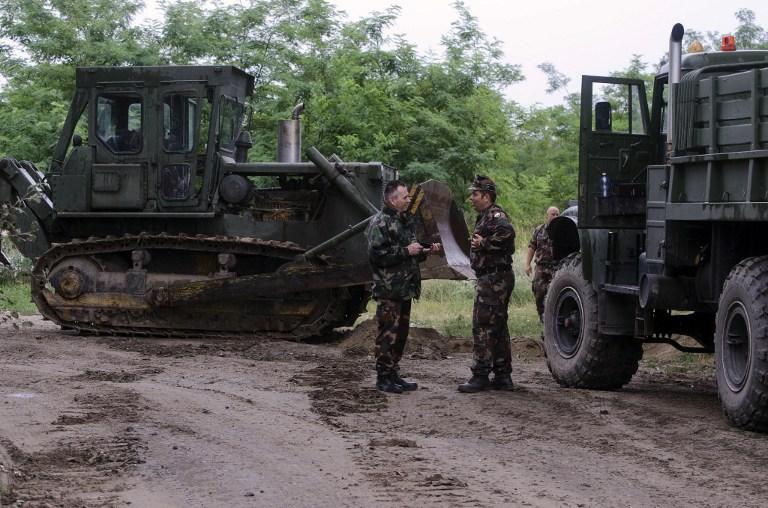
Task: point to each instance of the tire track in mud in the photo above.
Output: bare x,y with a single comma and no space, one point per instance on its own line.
79,470
338,391
406,464
659,442
74,473
401,472
663,430
99,446
413,476
681,426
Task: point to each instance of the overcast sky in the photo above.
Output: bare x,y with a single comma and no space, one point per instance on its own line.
577,36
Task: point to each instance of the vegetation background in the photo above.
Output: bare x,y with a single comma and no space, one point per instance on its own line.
369,95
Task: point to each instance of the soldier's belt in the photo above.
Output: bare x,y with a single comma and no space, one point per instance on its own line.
494,269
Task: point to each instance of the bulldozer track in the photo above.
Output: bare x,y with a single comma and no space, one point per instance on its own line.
184,243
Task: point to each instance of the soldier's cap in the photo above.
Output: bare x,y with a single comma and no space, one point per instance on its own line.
484,184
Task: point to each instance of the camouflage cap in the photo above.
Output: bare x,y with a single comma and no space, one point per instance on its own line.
484,184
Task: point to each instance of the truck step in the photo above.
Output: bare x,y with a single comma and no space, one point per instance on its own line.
621,289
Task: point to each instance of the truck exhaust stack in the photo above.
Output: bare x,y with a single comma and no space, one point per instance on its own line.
675,64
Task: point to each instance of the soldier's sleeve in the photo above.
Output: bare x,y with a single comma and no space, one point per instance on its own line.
383,250
533,244
421,256
502,235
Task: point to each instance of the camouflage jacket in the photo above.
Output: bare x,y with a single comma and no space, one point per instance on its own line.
542,246
498,243
396,275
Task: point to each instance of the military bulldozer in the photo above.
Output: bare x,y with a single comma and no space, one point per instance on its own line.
157,224
673,228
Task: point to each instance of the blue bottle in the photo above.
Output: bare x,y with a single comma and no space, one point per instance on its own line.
604,185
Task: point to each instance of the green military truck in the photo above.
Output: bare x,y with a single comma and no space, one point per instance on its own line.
673,228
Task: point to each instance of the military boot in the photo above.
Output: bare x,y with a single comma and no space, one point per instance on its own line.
407,385
502,382
386,383
475,384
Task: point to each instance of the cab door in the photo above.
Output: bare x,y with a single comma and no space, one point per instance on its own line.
178,174
117,132
614,150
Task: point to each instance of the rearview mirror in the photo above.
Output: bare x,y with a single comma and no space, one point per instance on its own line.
603,116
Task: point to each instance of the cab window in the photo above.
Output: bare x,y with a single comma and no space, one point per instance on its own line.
179,121
618,109
118,122
229,122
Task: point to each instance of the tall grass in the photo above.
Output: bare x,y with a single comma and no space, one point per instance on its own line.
14,282
446,305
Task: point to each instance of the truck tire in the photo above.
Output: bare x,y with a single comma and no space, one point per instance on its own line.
741,345
577,355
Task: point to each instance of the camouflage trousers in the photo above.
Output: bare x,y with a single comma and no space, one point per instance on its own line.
542,276
393,317
489,324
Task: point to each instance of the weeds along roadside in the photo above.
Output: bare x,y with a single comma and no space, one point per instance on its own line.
446,305
14,282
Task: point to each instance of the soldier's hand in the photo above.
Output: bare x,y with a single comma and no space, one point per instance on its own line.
528,270
436,248
414,249
476,240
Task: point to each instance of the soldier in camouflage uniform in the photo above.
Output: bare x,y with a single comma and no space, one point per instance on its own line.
394,255
492,246
540,251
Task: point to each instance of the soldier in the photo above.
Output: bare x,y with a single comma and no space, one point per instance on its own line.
394,255
492,246
540,250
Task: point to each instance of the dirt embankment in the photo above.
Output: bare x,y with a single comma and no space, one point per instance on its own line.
93,421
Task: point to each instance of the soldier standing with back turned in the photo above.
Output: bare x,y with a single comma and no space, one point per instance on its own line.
394,255
492,246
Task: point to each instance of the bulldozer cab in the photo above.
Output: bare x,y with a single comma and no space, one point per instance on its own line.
614,150
154,138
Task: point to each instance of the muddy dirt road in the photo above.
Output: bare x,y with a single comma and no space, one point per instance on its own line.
93,421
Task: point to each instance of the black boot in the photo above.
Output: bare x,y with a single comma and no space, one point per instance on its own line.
407,385
386,383
502,382
475,384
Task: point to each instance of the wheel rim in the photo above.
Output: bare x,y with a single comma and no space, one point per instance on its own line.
736,347
569,324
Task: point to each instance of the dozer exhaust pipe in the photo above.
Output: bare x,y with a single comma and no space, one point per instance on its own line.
289,137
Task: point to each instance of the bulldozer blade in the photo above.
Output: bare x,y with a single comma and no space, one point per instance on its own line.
438,219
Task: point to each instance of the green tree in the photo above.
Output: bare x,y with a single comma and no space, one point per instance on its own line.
44,41
749,35
462,120
556,80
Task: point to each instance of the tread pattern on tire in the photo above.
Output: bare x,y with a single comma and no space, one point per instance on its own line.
602,362
751,275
